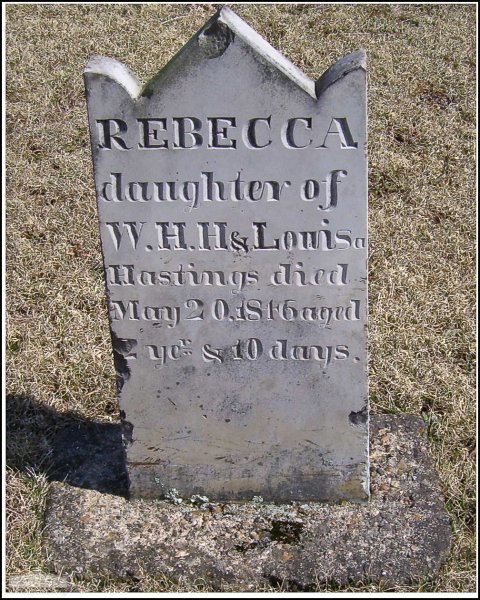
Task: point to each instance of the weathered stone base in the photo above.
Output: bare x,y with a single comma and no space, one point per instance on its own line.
400,536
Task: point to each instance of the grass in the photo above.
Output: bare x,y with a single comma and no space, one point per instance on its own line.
422,302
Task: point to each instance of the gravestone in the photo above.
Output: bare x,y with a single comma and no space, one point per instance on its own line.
232,199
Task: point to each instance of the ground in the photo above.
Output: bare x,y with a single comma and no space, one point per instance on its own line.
422,129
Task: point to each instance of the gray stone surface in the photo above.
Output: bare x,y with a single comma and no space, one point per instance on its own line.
38,582
401,535
232,197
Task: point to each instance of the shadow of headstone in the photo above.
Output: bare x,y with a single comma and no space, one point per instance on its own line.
64,447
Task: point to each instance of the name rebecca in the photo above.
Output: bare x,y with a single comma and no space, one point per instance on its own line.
222,133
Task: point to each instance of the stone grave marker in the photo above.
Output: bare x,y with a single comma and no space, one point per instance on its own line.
232,199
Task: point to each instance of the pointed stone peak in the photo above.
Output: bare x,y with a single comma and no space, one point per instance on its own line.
115,70
213,39
347,64
240,28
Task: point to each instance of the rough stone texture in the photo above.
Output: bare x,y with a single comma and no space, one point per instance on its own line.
38,582
232,198
401,535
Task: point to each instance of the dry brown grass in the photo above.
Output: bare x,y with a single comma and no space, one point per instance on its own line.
422,226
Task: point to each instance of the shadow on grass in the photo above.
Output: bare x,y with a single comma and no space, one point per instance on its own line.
64,447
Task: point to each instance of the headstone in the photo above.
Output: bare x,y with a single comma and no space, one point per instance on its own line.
232,198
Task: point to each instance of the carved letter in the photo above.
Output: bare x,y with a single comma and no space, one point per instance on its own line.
107,136
218,132
343,131
181,133
149,134
288,136
251,135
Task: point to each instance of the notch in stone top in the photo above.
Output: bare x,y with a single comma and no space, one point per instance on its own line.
212,42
